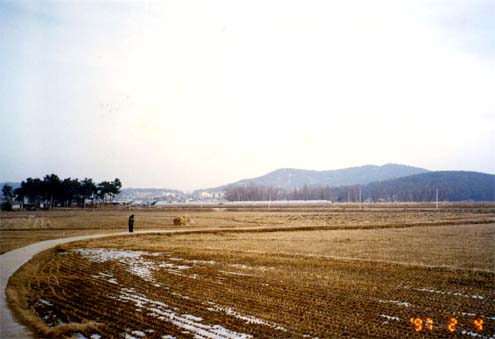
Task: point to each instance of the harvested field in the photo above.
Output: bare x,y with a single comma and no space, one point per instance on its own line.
18,229
427,275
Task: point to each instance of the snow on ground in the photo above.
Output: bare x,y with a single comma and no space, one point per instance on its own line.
139,264
106,276
389,317
173,266
396,302
247,267
458,294
45,302
135,261
249,319
138,333
476,335
79,335
187,322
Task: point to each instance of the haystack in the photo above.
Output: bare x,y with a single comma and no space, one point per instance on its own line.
182,220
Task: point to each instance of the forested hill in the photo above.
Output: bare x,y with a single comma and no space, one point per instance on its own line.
451,185
291,178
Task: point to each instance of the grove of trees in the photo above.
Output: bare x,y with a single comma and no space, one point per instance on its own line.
266,193
451,186
372,192
51,191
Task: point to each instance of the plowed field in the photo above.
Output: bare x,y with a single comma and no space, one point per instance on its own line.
434,281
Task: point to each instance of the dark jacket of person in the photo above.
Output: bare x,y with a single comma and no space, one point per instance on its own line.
131,223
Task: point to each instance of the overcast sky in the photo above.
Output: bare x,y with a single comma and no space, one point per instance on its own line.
194,94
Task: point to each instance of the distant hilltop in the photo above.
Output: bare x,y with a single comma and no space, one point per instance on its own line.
371,183
291,178
450,186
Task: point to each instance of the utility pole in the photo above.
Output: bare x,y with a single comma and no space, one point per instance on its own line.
437,199
270,200
360,197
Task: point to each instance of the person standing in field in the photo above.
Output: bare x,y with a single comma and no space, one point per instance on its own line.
131,223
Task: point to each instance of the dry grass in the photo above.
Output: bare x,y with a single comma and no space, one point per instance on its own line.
18,291
18,229
292,296
272,275
462,246
182,220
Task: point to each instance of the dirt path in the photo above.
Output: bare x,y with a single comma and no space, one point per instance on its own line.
11,261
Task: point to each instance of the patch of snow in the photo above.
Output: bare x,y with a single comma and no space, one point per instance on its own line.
45,302
104,255
457,294
249,319
173,266
106,274
389,317
168,337
79,335
475,335
179,273
138,333
197,261
247,267
187,322
180,295
95,336
134,260
113,281
397,302
191,317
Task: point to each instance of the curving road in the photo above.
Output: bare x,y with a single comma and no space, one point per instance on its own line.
13,260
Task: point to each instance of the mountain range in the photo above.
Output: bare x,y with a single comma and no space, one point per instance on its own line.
390,182
290,178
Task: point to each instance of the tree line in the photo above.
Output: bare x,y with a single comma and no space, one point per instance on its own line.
265,193
51,191
354,193
450,185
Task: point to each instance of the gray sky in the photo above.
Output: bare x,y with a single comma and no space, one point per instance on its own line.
193,94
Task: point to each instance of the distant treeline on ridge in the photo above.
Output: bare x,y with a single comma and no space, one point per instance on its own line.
451,186
51,191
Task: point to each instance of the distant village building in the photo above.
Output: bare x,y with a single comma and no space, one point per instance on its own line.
205,195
